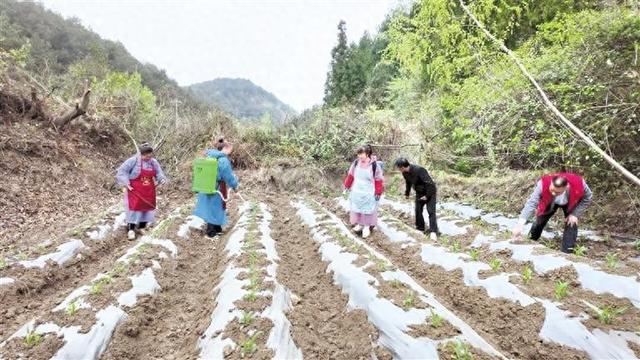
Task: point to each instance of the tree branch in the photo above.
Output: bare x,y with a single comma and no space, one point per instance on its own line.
80,109
626,173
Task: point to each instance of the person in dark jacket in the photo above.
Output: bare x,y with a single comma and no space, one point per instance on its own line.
418,178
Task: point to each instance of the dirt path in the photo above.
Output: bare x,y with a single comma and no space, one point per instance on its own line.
168,324
322,326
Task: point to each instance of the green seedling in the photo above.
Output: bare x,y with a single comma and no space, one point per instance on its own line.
120,269
561,290
612,260
40,249
21,256
144,248
251,296
551,244
436,320
382,265
249,346
580,250
608,314
395,283
444,240
246,319
455,247
32,338
461,351
254,282
495,264
409,299
527,274
636,244
97,287
72,308
3,263
475,254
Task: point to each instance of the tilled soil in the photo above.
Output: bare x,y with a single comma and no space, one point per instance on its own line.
322,326
37,291
167,325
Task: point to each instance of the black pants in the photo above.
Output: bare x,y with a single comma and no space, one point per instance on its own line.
213,230
430,202
569,236
140,225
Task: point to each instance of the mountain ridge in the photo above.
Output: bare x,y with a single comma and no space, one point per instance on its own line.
242,98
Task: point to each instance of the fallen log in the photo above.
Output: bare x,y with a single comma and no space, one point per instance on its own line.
79,109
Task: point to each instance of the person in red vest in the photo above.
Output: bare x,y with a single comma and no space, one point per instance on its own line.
565,191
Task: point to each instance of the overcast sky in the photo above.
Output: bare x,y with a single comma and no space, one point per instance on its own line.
283,46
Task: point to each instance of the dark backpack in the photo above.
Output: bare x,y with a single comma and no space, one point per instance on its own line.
374,165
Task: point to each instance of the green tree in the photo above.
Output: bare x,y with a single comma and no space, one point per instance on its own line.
333,89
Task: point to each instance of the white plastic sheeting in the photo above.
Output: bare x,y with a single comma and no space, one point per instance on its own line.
391,320
192,222
280,340
559,326
64,252
230,289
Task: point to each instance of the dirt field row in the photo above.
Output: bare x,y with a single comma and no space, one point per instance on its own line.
288,279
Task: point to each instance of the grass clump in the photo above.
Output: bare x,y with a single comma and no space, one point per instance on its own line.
580,250
612,260
455,246
72,308
527,274
495,264
246,319
561,290
249,346
461,351
395,283
436,320
409,299
3,263
251,296
98,285
608,314
32,338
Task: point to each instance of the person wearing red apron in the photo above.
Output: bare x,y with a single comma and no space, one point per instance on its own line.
139,175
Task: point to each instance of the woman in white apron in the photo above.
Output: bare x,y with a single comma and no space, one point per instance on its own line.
366,183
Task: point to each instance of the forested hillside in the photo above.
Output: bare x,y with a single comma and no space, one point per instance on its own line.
430,81
243,99
46,63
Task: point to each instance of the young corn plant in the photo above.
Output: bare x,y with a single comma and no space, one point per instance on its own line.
455,246
395,283
474,253
637,244
436,320
495,264
561,290
72,308
32,338
612,260
527,274
580,250
608,314
3,263
97,287
144,248
22,256
383,265
246,319
251,296
461,351
409,299
249,346
120,269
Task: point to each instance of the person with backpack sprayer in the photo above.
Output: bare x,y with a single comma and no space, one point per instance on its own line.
365,181
418,178
138,176
566,191
210,206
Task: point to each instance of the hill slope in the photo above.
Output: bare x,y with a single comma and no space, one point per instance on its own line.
242,98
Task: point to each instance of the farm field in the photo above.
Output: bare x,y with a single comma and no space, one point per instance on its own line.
288,279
